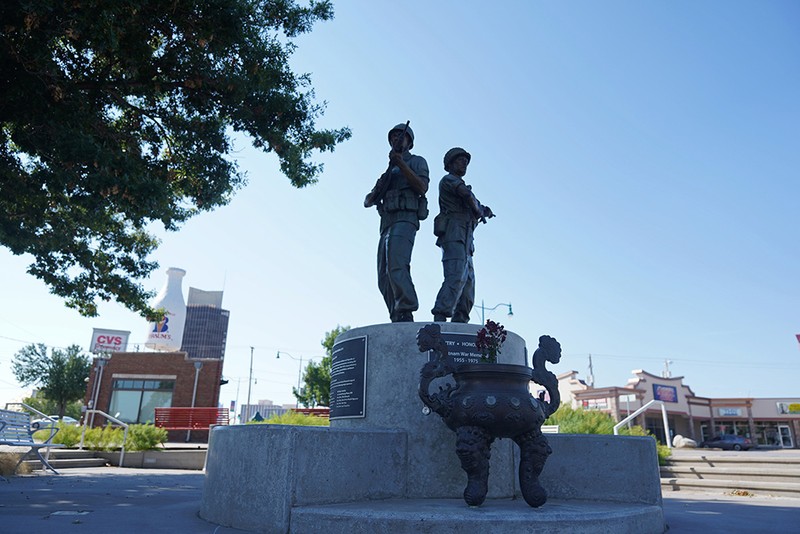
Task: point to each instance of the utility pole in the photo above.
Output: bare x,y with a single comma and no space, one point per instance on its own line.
590,378
236,404
249,384
667,373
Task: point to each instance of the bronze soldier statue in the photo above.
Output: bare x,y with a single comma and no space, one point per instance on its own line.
459,214
399,195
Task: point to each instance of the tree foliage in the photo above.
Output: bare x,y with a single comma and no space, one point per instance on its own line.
118,115
316,390
60,377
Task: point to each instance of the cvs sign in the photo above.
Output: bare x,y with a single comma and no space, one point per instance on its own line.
109,340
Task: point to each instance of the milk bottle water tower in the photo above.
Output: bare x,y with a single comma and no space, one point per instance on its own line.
167,334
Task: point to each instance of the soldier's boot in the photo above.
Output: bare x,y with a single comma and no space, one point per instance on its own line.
405,317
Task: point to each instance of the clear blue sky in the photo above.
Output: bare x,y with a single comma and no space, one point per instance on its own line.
643,160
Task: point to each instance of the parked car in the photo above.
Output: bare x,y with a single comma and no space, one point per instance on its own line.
67,420
728,442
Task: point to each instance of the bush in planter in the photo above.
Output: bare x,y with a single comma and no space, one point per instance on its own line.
67,435
105,438
145,437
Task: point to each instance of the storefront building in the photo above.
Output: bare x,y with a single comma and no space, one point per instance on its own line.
131,385
769,422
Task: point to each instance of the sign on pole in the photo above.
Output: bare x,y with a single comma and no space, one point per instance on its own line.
109,340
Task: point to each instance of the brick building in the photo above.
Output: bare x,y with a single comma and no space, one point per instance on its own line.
133,384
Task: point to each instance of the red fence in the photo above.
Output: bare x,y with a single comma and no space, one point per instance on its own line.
191,418
318,412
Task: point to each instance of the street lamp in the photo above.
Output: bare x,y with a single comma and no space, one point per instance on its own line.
299,371
197,366
98,379
484,309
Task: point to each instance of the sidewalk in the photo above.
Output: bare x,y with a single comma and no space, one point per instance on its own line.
126,501
105,499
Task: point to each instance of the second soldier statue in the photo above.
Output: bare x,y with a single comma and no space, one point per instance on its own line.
459,214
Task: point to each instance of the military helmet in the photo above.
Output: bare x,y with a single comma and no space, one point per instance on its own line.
400,128
452,154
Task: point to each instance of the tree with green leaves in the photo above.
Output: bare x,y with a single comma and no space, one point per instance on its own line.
60,377
316,390
115,116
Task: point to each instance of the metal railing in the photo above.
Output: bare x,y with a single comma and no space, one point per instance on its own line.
643,409
115,420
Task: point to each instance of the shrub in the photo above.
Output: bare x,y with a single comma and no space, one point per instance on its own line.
580,421
8,461
145,437
67,435
293,418
105,438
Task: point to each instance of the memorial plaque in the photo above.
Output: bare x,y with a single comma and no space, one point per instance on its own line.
349,379
461,348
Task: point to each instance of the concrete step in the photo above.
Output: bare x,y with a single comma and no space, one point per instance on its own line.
69,458
765,473
67,463
761,489
71,454
749,460
731,472
495,516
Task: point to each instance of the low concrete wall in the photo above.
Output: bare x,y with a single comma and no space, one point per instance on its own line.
595,467
170,459
255,474
273,468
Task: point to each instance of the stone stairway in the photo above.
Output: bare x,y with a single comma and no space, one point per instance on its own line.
69,458
762,473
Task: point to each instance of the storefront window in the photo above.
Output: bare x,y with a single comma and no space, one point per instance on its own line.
738,428
136,400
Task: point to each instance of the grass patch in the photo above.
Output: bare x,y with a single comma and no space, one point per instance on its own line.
293,418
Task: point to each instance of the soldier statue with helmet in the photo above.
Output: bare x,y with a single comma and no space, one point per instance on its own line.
459,214
399,195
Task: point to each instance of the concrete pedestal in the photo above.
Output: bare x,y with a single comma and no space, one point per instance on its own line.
392,402
396,470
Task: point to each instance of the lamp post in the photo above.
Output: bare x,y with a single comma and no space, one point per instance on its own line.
98,378
484,309
197,367
299,372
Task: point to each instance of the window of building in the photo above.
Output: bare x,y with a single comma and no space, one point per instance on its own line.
738,428
136,400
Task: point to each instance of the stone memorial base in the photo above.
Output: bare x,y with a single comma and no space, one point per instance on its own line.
396,469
